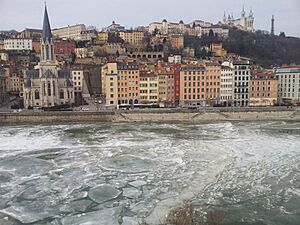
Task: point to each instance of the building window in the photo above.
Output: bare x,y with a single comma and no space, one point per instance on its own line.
49,89
47,52
53,86
37,94
44,89
61,94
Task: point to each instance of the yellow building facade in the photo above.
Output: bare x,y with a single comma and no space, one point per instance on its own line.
149,88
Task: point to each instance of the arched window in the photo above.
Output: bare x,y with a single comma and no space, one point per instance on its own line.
68,94
37,94
47,52
44,88
53,86
49,89
61,94
52,51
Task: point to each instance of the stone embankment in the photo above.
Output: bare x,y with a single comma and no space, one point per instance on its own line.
155,115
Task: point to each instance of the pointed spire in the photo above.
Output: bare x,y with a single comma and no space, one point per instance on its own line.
46,34
251,12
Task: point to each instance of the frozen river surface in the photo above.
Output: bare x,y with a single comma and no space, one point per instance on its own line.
127,173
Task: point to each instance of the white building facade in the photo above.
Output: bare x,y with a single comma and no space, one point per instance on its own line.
288,84
70,32
226,86
18,44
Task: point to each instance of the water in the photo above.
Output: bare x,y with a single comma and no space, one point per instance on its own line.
126,173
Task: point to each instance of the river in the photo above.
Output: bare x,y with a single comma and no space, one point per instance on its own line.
125,173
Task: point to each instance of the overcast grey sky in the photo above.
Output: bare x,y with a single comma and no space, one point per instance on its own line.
20,14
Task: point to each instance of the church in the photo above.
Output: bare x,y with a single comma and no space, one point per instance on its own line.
47,85
244,23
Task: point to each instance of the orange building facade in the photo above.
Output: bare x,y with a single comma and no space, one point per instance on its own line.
263,89
213,78
128,83
192,85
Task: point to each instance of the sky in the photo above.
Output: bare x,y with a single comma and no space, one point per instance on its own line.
20,14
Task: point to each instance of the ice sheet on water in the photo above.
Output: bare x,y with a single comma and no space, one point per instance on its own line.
129,164
77,206
25,214
130,221
102,217
138,183
25,166
103,193
131,193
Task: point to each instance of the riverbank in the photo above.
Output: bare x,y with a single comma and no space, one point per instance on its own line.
154,115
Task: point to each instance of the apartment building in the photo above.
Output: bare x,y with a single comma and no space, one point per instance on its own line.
241,83
134,38
128,83
226,86
213,76
149,88
79,75
192,85
109,80
15,44
176,41
288,84
69,32
263,89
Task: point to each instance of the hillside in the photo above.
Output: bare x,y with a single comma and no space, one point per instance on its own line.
264,49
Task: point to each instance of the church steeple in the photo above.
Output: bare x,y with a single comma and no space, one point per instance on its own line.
46,34
47,48
243,13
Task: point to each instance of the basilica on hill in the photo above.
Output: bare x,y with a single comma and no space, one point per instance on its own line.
245,22
47,85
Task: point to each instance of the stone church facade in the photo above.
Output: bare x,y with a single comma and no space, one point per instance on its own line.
48,85
246,22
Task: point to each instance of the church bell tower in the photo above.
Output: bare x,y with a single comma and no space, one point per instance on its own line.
47,47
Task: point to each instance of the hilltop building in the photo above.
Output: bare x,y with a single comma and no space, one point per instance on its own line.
47,86
31,33
166,27
114,27
243,23
70,32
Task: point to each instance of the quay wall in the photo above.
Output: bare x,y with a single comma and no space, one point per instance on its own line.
209,116
55,117
149,116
